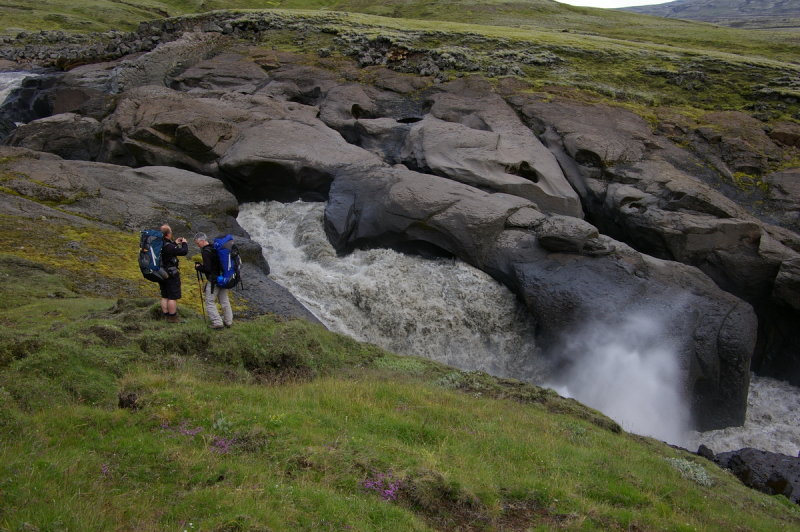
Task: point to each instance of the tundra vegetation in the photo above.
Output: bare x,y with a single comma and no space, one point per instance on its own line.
113,419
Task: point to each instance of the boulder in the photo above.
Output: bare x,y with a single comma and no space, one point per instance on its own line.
286,159
771,473
784,195
738,139
786,133
471,135
68,135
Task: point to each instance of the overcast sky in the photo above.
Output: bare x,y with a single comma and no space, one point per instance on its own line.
613,3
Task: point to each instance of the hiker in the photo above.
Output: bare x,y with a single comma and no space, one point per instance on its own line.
171,287
211,292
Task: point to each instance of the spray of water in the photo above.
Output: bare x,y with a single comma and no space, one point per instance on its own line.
446,310
629,372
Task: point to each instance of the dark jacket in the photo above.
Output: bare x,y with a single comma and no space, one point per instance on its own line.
171,251
210,266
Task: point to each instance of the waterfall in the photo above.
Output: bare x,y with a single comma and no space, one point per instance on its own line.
441,309
448,311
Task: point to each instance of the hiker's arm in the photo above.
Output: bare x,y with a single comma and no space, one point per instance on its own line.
172,249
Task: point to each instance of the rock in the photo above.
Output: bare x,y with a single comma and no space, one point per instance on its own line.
285,159
787,284
641,189
786,133
784,195
396,81
740,141
68,135
474,137
158,126
594,135
705,452
226,72
570,235
771,473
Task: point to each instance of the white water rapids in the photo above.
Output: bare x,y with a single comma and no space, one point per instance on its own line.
448,311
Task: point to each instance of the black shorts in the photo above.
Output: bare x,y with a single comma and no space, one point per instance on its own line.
171,288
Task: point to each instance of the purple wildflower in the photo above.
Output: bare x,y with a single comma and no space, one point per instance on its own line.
186,431
385,484
105,470
222,445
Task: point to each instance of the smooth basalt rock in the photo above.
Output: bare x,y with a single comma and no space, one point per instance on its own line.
474,137
68,135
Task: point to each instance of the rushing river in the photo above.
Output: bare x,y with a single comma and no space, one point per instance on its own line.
446,310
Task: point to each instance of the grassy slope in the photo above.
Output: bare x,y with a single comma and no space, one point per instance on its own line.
283,425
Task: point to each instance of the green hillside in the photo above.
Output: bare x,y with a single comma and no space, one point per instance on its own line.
111,419
543,15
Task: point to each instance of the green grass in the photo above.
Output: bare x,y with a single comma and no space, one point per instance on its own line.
281,425
541,16
599,55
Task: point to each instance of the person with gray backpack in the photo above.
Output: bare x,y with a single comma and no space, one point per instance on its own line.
216,287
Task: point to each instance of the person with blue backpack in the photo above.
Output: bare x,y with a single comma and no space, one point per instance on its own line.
221,267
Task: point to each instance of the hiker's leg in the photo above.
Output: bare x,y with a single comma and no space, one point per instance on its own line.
225,302
164,307
209,299
172,306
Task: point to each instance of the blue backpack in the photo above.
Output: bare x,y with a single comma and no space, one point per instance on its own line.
229,262
150,243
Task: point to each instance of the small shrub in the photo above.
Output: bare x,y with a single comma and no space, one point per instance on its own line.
691,471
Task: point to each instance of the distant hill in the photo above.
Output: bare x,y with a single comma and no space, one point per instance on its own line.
756,14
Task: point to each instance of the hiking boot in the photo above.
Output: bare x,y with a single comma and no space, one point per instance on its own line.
228,325
216,327
172,318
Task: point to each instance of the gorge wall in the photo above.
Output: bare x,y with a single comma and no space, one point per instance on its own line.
584,211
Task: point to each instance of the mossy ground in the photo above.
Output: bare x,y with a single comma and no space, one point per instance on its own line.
112,419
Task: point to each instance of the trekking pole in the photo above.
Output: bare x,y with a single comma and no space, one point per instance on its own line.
202,302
